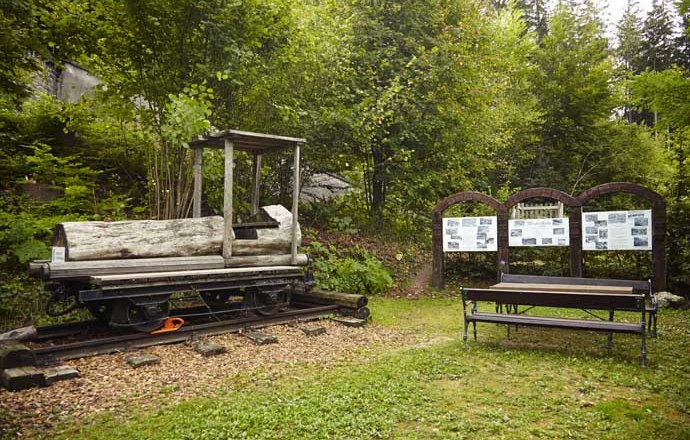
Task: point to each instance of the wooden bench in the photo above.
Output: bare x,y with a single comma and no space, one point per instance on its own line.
594,285
601,301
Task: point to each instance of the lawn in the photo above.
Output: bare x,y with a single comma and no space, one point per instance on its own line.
537,384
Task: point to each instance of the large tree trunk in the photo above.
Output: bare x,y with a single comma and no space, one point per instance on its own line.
84,241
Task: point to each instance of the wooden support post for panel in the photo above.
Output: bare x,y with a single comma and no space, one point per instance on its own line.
575,221
503,255
437,279
256,187
227,199
295,203
659,246
198,162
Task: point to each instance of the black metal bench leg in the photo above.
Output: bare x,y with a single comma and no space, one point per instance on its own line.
652,324
609,344
508,331
464,336
644,348
474,329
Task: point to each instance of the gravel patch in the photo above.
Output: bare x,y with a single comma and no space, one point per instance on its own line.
108,384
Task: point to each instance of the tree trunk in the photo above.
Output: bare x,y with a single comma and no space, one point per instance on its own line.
377,187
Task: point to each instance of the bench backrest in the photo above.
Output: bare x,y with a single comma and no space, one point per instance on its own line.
637,285
622,301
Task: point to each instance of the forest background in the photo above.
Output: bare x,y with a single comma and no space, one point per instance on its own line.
409,100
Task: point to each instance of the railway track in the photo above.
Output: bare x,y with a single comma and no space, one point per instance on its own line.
133,341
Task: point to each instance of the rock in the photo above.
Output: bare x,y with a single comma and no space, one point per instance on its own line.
261,338
140,360
314,330
20,334
13,355
61,372
667,299
206,348
15,379
350,321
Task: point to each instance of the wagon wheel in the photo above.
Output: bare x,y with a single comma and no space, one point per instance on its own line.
101,311
142,317
267,301
61,303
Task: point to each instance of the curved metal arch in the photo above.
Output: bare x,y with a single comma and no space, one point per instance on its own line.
658,221
547,193
625,187
467,196
437,228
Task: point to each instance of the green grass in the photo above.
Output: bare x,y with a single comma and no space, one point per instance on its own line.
537,384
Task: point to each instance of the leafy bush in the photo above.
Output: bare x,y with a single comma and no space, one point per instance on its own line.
360,272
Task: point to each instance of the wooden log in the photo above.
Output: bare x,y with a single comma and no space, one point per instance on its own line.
317,296
20,334
140,238
269,241
83,270
266,260
360,313
215,275
88,241
72,270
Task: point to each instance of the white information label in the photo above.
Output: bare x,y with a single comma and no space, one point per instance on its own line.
617,230
470,234
539,232
57,254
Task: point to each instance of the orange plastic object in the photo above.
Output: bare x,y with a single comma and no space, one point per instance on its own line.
169,325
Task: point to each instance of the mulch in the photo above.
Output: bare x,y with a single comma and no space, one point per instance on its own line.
108,384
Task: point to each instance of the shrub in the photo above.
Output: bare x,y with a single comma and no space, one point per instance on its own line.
361,272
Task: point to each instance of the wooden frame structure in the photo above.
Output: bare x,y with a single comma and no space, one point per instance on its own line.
574,206
257,144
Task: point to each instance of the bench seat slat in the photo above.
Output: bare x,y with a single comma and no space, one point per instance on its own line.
542,321
637,285
580,300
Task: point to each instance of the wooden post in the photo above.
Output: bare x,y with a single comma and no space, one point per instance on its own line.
575,225
256,188
437,279
659,246
503,254
198,162
295,203
227,199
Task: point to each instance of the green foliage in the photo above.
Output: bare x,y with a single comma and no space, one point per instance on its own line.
22,301
19,37
358,272
187,113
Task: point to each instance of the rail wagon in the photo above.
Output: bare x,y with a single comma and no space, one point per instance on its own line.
137,274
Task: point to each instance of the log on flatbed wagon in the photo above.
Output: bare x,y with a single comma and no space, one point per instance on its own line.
189,237
318,296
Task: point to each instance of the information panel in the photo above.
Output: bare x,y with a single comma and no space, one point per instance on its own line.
617,230
539,232
470,234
